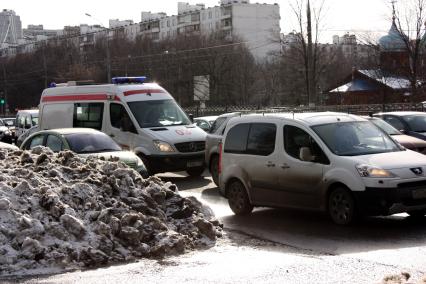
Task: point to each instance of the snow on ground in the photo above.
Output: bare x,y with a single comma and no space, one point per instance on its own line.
62,212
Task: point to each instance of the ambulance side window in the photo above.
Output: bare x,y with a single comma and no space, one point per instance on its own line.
88,115
120,118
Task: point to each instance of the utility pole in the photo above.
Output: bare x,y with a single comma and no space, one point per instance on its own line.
4,91
310,59
108,54
44,64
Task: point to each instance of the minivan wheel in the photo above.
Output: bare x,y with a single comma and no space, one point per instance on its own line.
238,199
195,172
341,206
214,169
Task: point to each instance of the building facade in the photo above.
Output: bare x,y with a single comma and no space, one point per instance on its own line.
255,24
10,28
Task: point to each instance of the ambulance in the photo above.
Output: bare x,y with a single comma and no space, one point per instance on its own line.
139,116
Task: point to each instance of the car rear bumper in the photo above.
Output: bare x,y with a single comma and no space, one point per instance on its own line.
175,163
387,201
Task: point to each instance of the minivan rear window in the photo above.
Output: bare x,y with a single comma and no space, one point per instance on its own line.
236,139
251,138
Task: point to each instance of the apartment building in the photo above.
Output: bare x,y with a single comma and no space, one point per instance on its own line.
10,28
255,24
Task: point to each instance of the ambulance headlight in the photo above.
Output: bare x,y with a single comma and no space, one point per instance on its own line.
163,146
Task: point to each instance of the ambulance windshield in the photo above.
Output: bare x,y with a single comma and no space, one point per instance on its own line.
158,113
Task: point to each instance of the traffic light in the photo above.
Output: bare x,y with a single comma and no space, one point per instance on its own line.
2,101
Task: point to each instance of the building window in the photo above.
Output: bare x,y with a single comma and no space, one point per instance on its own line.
168,23
203,16
217,13
210,14
174,22
162,24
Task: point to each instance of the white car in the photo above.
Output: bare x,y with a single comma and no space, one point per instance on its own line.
333,162
205,122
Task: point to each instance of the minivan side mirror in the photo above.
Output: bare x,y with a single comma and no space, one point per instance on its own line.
191,117
305,154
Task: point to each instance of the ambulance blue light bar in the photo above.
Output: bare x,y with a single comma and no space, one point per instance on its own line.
128,80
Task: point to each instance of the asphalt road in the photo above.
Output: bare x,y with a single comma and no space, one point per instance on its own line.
396,240
276,246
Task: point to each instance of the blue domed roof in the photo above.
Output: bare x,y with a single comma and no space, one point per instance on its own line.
393,41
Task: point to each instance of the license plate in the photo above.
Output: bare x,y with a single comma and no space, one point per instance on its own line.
193,164
419,193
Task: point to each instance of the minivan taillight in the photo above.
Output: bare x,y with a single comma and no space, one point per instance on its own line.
219,167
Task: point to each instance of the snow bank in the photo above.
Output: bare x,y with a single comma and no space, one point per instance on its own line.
61,211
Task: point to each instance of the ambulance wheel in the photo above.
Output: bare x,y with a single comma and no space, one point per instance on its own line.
195,172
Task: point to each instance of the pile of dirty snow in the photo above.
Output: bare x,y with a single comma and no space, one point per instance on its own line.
61,211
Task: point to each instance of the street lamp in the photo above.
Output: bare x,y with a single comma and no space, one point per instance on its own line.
108,56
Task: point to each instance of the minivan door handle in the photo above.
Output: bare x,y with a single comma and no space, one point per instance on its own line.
285,166
270,165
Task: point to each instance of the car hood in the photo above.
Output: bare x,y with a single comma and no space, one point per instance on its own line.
177,134
127,157
393,160
410,142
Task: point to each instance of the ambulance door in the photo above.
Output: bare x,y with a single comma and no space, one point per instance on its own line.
121,127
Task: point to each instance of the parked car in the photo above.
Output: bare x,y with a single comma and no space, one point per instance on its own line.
5,133
8,146
214,137
332,162
205,122
85,142
408,142
25,119
412,123
10,122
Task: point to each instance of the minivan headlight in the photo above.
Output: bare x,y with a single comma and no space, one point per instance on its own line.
373,172
163,146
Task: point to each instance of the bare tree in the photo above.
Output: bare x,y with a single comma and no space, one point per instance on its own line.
410,18
308,46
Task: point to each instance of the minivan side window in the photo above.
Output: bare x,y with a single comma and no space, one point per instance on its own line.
236,139
120,118
261,139
296,138
216,124
88,115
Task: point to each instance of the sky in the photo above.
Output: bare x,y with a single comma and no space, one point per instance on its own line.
340,16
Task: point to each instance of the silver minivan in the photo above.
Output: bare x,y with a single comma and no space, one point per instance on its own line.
332,162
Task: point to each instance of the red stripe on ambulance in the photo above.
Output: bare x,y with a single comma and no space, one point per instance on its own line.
146,91
82,97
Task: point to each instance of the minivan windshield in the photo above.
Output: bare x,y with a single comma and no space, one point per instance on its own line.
158,113
355,138
416,122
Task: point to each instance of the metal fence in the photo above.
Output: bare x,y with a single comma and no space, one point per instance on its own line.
353,109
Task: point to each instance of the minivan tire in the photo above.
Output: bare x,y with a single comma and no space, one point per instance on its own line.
195,172
238,199
214,169
341,206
